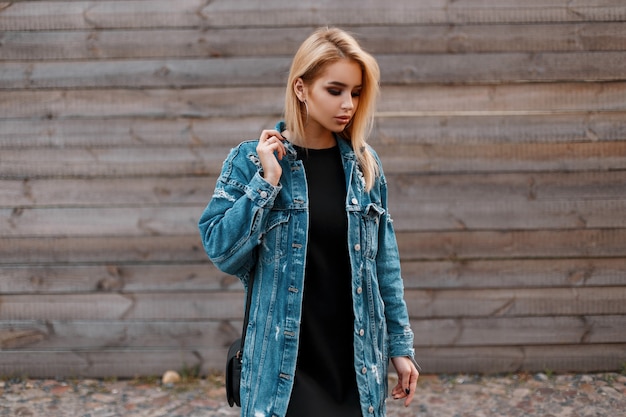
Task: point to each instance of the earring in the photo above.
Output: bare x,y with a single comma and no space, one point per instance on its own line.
307,112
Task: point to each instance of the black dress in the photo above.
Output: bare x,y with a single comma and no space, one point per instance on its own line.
325,380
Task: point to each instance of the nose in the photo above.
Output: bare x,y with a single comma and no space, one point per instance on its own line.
348,103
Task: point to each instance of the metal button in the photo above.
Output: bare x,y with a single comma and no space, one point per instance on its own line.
263,194
361,332
357,247
359,290
371,410
354,201
364,370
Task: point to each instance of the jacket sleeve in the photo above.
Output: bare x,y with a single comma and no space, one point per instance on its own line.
233,221
391,284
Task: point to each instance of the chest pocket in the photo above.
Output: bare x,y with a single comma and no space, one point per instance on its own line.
274,240
370,224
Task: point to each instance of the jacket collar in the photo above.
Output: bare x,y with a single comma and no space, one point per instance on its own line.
345,147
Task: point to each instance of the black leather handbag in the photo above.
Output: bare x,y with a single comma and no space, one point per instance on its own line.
233,373
235,357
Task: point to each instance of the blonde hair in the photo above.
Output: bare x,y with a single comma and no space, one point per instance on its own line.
326,46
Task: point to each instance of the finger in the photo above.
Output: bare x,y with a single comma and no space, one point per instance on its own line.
398,391
266,134
273,141
277,146
282,151
412,387
410,393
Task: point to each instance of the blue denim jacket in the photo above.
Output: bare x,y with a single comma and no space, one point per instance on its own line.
251,228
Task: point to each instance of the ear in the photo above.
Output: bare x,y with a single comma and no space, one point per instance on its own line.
300,89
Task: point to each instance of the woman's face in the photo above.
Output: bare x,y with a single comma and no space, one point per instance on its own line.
333,97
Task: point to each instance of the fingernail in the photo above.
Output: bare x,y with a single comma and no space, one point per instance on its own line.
408,390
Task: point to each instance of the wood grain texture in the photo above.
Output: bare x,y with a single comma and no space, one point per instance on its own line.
431,217
227,305
174,306
420,129
484,68
203,276
537,244
207,43
501,129
109,363
127,363
65,250
514,273
557,358
44,15
214,334
115,277
404,101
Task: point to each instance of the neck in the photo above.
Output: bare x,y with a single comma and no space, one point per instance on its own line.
316,139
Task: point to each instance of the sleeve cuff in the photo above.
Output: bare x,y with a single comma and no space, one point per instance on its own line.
261,192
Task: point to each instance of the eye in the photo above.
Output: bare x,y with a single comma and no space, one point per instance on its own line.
356,93
334,92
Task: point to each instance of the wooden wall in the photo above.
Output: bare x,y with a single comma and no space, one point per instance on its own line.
502,128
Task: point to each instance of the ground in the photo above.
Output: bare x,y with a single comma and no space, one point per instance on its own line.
540,395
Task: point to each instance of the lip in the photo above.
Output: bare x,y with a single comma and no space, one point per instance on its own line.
343,119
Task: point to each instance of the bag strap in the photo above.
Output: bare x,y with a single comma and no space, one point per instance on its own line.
246,317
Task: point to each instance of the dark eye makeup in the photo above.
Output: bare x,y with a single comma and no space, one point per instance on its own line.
336,92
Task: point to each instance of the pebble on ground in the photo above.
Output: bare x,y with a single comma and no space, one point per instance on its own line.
540,395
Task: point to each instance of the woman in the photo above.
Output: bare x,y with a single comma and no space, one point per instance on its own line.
303,212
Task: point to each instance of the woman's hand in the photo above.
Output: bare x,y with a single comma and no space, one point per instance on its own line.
271,150
407,379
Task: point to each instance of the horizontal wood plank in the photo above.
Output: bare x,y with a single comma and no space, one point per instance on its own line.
109,363
45,15
107,192
540,187
101,249
504,158
195,73
517,273
131,363
479,127
93,334
511,244
503,214
201,334
228,305
253,41
136,221
106,133
219,305
396,101
115,277
160,103
503,99
388,131
113,162
410,215
414,246
526,331
203,276
515,302
518,187
264,71
32,163
489,359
